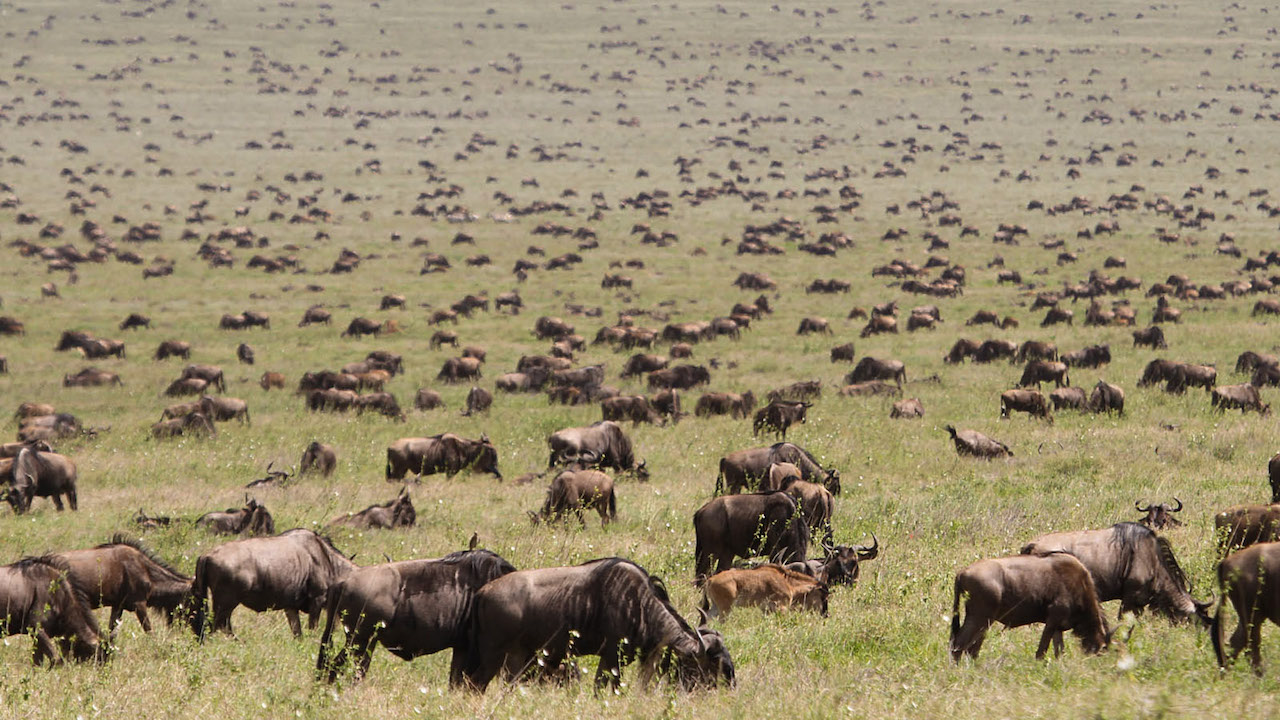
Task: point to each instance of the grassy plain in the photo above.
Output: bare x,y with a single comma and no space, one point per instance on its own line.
608,90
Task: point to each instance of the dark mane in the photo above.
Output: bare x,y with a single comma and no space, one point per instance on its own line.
29,563
1171,564
122,539
1129,536
476,560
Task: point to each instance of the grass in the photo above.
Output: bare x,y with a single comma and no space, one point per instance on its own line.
851,89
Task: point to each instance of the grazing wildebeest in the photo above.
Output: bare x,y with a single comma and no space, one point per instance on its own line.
245,354
126,577
972,442
992,350
315,314
780,415
34,473
397,512
680,377
362,326
223,409
211,374
414,608
643,363
578,490
842,353
1036,350
962,349
271,380
748,468
721,403
1039,371
604,440
427,399
446,453
1057,315
770,587
1089,357
1250,360
1053,589
1152,337
37,600
588,609
252,519
1159,516
173,348
870,368
1244,579
319,457
1245,397
813,325
1028,401
1158,371
1185,375
767,523
479,400
879,324
1244,525
1130,563
635,408
1107,398
909,408
291,571
460,369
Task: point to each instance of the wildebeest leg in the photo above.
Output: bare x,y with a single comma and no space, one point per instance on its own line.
1255,644
57,501
71,499
295,624
1057,644
608,673
222,609
117,612
969,639
44,648
140,609
1054,622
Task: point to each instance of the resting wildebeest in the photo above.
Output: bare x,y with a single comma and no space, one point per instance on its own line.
635,408
533,619
972,442
779,415
40,474
1244,525
271,380
127,577
1028,401
1038,371
91,377
320,457
414,608
1130,563
909,408
397,512
576,490
1107,398
446,453
747,468
1245,397
841,563
1159,516
192,423
1244,578
604,440
252,519
1053,589
870,368
766,523
722,403
291,571
37,600
770,587
802,390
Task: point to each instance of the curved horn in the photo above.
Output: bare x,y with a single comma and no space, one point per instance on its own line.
1177,509
1137,505
828,542
867,553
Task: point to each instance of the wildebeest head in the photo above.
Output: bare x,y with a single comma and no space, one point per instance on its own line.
273,477
841,564
1159,516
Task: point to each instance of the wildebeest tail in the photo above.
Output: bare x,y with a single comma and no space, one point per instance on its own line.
720,478
613,505
955,615
199,604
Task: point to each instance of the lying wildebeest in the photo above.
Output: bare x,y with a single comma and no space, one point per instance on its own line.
588,609
394,513
211,374
1092,356
769,586
173,348
223,409
193,423
1129,563
446,453
252,519
479,400
909,408
460,369
721,403
767,523
635,408
1107,398
291,572
780,415
1152,337
34,473
680,377
1053,589
1245,397
972,442
127,577
604,440
11,450
841,563
413,608
91,377
319,457
802,390
1244,578
531,381
427,399
749,468
575,491
1159,516
870,368
1244,525
1039,371
1028,401
33,409
37,600
842,353
551,327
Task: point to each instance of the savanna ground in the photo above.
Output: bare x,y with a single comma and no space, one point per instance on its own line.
388,100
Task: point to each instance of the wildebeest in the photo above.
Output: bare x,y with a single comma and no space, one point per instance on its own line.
551,327
972,442
722,403
870,368
802,390
1159,516
577,490
211,374
271,380
841,564
779,415
427,399
34,473
908,408
223,409
813,325
37,600
1107,398
531,381
642,363
747,468
91,377
1185,375
397,512
446,453
1053,589
319,457
413,608
1028,401
291,571
1130,563
587,609
635,408
173,348
126,577
1245,525
459,369
879,324
134,321
992,350
315,314
479,400
680,377
769,586
1092,356
962,349
1057,315
605,440
1245,397
1036,350
252,519
192,423
1039,371
1244,579
767,523
1152,337
816,502
245,354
